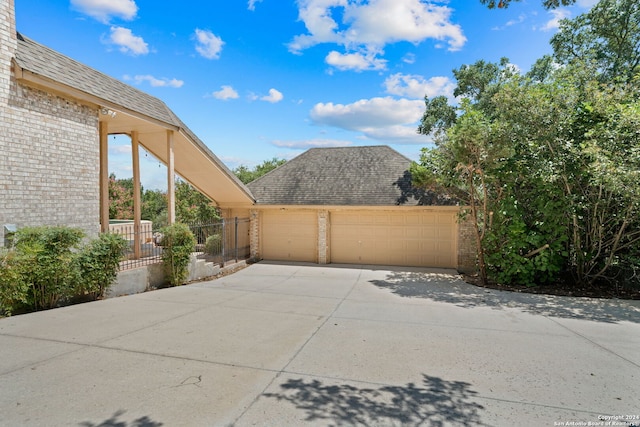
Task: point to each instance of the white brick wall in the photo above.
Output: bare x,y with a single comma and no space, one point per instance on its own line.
49,151
7,45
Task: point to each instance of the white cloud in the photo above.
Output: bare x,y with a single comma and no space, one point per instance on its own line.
226,92
386,119
156,82
104,10
312,143
273,97
367,26
208,44
409,58
120,149
252,4
417,87
128,42
396,134
512,22
355,61
554,22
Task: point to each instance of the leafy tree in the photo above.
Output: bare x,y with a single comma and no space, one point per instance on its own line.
154,207
192,206
471,148
247,175
607,36
120,198
548,164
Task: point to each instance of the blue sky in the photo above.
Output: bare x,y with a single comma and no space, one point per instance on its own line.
257,79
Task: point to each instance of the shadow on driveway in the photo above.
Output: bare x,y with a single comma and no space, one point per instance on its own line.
114,421
450,289
435,401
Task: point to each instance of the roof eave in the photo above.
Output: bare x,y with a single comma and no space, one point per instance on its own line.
41,82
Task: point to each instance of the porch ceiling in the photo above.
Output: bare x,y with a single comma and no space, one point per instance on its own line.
42,67
193,161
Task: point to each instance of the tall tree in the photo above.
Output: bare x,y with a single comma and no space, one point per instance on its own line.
247,175
548,163
192,206
608,36
120,198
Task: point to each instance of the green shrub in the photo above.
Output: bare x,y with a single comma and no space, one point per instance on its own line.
213,245
50,269
178,243
13,289
98,264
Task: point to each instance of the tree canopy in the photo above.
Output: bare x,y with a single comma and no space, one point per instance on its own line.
247,175
191,205
548,162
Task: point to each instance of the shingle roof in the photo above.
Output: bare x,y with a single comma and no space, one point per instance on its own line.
53,65
48,63
345,176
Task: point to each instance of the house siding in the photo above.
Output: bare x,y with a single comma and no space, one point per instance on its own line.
49,145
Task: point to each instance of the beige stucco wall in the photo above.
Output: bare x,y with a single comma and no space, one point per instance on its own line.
49,161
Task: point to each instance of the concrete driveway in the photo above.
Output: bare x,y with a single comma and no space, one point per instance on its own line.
300,344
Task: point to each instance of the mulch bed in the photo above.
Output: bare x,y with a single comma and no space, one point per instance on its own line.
564,289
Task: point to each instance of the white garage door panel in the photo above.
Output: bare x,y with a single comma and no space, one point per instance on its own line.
289,236
394,238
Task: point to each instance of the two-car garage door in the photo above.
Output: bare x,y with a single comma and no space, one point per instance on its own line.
407,238
394,238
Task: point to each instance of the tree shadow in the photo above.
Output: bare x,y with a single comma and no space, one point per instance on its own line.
114,421
451,289
435,402
423,197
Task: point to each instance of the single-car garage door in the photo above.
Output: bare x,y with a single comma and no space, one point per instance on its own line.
415,238
290,235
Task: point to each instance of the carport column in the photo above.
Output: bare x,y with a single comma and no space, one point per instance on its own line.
171,180
323,237
254,234
104,177
137,208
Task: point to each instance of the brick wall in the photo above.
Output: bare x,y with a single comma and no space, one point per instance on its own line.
49,161
8,45
323,236
254,234
467,257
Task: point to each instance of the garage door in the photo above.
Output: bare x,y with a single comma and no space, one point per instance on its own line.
394,238
290,235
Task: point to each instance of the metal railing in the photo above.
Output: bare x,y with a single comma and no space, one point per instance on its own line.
222,241
217,241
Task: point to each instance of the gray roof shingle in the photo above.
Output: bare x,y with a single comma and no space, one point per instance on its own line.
48,63
345,176
57,67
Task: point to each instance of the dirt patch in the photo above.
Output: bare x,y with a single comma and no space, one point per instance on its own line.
564,289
